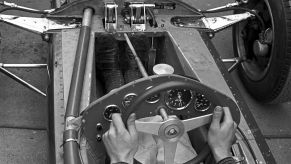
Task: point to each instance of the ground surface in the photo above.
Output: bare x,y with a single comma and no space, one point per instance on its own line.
23,123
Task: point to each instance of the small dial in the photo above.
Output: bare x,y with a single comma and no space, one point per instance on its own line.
155,98
128,99
178,99
109,110
201,103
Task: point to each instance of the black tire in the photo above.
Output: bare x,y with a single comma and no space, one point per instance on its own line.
273,85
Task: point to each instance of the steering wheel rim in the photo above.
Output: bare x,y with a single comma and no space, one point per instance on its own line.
164,87
93,114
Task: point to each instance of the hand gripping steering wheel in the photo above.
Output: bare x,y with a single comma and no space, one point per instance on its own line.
171,129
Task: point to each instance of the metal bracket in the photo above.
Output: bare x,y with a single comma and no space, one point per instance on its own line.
138,15
211,24
40,25
110,17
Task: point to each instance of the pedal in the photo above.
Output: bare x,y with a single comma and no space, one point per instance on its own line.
110,17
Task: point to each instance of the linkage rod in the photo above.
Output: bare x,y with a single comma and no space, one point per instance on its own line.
136,58
23,65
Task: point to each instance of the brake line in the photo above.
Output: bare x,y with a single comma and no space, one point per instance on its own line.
187,6
25,10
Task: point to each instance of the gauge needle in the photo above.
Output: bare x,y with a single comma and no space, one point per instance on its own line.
180,98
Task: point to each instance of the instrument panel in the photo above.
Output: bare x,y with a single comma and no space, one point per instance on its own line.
176,99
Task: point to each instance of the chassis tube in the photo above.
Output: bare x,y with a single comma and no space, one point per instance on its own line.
70,136
79,66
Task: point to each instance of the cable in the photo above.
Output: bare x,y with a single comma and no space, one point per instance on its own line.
25,10
239,8
151,13
187,6
247,143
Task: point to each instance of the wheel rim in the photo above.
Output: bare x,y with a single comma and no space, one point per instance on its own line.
255,67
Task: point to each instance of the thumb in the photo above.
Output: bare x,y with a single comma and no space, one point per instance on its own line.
131,124
217,115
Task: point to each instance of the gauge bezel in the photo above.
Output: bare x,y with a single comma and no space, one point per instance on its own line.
174,108
129,94
204,110
108,106
152,102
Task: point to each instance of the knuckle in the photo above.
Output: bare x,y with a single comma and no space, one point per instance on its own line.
212,128
230,122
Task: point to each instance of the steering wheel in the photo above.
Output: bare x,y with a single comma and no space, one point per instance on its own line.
96,119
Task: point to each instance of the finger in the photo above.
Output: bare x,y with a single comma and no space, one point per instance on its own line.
217,114
234,126
105,138
131,124
234,139
227,115
112,131
117,122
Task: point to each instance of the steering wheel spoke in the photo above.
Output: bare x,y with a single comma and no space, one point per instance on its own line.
170,151
148,127
196,122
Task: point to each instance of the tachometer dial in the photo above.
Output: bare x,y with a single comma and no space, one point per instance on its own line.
178,99
109,110
201,103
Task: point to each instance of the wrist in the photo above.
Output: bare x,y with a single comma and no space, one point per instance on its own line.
128,159
220,153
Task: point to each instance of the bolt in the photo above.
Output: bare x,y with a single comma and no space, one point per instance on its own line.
46,37
172,132
99,126
211,35
98,137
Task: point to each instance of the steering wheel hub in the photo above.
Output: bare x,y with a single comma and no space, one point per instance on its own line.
171,130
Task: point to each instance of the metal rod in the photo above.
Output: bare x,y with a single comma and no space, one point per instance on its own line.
235,65
70,136
21,81
23,65
225,6
164,114
230,60
136,58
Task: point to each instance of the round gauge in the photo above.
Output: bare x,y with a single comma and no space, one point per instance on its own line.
155,98
201,103
178,99
128,99
109,110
